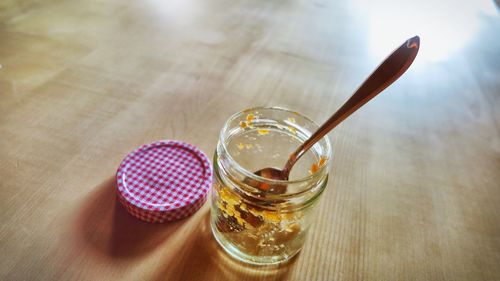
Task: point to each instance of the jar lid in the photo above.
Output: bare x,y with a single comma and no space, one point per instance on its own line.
164,181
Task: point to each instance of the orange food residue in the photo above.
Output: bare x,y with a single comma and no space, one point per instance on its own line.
263,131
322,161
315,166
241,146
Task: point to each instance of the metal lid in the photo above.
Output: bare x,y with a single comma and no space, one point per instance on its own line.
164,181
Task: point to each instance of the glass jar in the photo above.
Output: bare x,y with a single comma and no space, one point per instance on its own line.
266,225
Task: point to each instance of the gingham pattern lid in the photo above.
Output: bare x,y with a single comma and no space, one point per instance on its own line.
164,181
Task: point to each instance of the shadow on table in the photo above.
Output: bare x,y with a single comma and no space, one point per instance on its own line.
201,258
189,251
110,230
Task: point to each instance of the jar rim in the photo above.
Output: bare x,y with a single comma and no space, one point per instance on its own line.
251,174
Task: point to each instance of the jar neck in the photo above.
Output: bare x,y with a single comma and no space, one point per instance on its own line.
234,178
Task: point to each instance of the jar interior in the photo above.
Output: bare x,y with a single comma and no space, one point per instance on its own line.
260,138
250,223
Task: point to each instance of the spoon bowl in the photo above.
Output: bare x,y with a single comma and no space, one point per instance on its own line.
272,174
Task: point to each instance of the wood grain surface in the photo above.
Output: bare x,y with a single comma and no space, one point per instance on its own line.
415,183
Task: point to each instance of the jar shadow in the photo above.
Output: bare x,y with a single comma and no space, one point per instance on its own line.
202,258
111,231
103,227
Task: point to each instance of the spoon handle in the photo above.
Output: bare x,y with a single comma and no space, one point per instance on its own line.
385,74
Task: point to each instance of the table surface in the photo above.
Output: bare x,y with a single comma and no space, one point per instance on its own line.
414,192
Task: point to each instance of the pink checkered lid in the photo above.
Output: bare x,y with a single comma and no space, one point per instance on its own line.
164,181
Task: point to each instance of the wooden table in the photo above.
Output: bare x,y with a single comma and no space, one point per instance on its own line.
415,184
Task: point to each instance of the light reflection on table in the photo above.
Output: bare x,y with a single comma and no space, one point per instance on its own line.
445,26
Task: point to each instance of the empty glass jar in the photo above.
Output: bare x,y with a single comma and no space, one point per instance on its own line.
266,225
